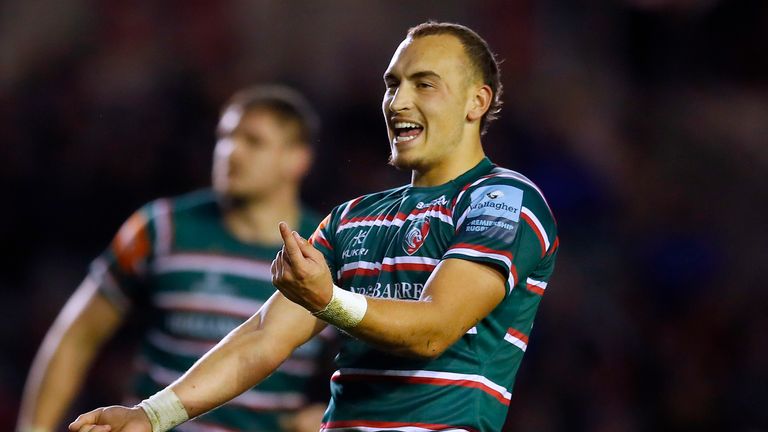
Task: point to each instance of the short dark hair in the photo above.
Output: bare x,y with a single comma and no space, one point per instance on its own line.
479,54
284,102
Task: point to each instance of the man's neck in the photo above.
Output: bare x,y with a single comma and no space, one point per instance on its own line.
451,166
255,220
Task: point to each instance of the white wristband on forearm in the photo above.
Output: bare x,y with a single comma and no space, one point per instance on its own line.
345,310
165,410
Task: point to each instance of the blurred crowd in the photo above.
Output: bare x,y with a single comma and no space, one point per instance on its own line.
645,122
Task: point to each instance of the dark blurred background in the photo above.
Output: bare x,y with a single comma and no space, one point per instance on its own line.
644,121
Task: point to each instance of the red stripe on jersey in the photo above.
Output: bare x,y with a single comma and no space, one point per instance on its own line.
422,380
131,245
389,424
536,231
440,209
388,268
555,245
359,271
518,334
319,239
382,217
467,186
355,202
408,267
534,289
399,216
482,249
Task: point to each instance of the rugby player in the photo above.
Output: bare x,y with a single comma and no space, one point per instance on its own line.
198,265
436,283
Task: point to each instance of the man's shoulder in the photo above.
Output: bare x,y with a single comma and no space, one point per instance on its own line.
198,204
500,181
192,202
502,192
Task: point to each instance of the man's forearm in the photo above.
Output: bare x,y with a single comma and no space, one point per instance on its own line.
246,356
237,363
456,298
243,358
54,379
409,328
64,357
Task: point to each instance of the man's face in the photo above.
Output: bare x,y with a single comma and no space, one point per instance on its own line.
426,100
256,153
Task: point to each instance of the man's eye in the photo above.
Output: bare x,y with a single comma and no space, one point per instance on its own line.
424,85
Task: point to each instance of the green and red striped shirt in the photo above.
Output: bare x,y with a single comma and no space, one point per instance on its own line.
386,245
175,258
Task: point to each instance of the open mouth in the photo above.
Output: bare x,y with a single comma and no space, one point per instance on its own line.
407,131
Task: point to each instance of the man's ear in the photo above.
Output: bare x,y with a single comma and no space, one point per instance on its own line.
480,102
300,161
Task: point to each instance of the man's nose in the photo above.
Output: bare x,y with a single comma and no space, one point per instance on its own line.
401,100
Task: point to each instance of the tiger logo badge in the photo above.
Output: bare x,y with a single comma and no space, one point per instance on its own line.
416,235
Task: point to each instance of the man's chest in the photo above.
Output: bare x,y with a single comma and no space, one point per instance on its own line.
393,246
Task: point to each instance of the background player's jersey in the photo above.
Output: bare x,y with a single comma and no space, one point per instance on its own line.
175,258
386,245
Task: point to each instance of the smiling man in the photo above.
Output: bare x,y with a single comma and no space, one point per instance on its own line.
436,282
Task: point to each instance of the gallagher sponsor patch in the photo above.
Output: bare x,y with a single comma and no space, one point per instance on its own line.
496,201
494,211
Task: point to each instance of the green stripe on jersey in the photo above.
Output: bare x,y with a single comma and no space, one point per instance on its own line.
201,283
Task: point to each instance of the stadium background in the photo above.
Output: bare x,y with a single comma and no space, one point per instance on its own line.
644,121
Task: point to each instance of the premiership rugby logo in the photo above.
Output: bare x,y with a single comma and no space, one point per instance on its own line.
416,235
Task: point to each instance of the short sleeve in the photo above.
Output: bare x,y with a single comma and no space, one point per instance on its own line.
120,270
505,224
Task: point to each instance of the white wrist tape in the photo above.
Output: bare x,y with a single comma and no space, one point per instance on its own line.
345,310
165,410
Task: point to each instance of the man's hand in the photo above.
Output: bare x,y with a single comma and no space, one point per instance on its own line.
299,271
112,419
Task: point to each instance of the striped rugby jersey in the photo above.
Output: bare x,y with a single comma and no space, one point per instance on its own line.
386,245
175,257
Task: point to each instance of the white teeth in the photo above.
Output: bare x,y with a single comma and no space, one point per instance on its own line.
403,125
399,139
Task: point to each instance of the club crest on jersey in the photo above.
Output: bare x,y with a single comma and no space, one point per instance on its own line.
416,235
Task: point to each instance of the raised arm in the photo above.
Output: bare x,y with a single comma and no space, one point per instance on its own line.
242,359
86,322
425,328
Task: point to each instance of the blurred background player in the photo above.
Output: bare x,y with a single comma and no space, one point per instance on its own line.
195,267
